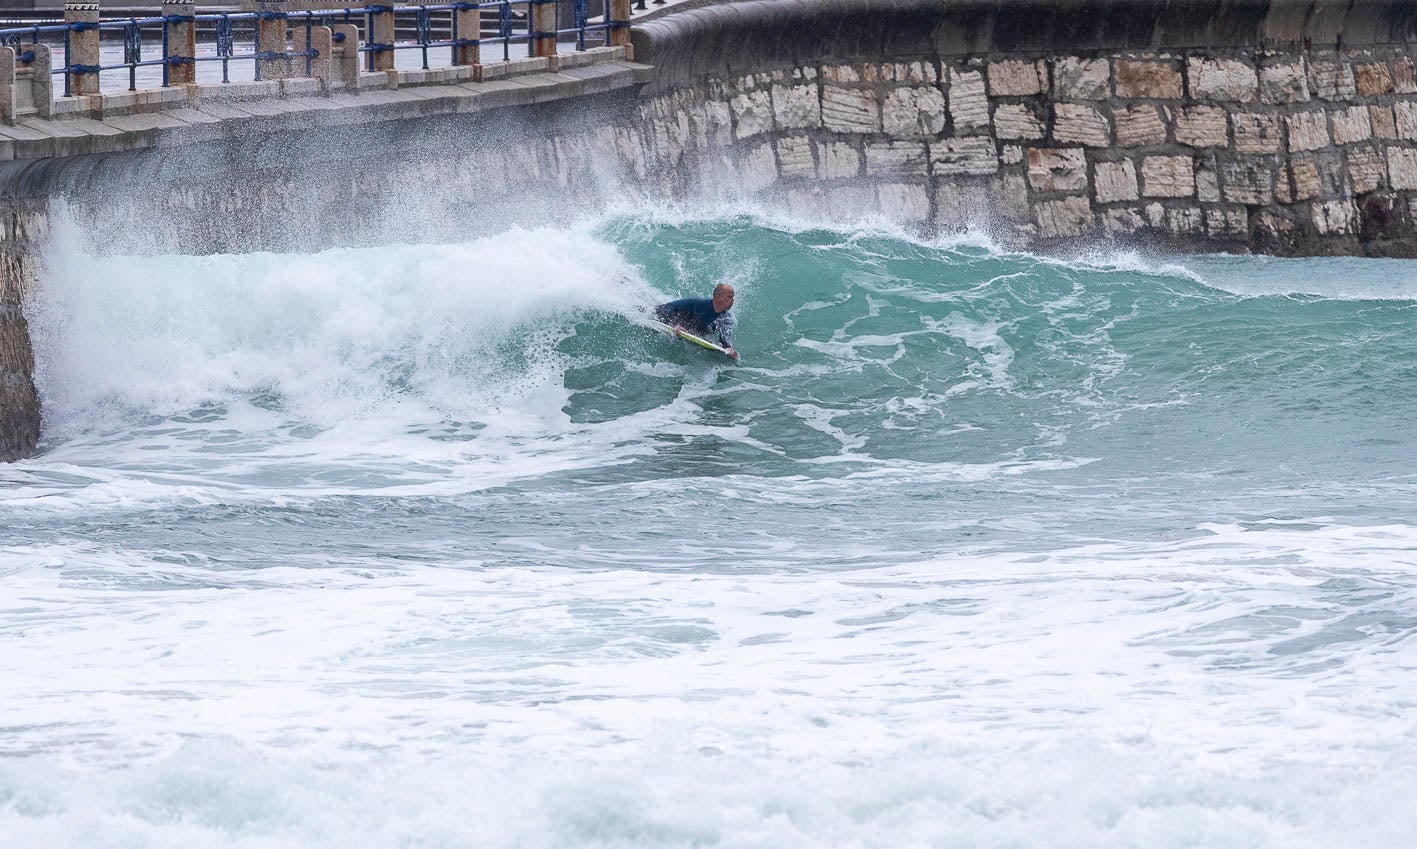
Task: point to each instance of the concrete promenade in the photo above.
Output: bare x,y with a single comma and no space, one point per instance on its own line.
191,114
326,74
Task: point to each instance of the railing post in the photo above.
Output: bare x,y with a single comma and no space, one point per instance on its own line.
347,37
181,42
381,36
7,85
467,21
41,68
272,40
620,23
82,58
321,65
543,27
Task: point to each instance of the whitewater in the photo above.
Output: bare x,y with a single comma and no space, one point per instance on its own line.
432,545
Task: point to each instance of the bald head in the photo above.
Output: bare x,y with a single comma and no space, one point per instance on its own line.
722,297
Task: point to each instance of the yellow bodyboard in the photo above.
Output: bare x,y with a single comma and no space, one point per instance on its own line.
689,337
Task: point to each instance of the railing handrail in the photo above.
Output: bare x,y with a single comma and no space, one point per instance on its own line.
530,25
298,14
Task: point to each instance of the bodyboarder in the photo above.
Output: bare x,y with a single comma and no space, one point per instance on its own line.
703,316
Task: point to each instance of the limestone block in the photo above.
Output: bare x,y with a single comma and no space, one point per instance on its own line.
906,202
1060,170
1139,126
1335,217
1227,222
1058,219
1155,215
913,112
1185,220
1406,116
794,154
1366,169
1011,199
1248,181
1222,80
1351,125
1168,177
1404,79
1122,220
896,158
837,160
796,106
1402,168
1256,132
1284,83
849,198
1016,77
718,123
1114,181
841,74
961,206
757,167
916,73
1272,227
752,114
1203,126
806,202
1331,80
1207,183
1283,193
1372,79
969,106
629,145
1016,121
1081,79
1078,124
1308,130
850,110
1012,155
1304,180
1333,176
1384,122
967,155
1137,79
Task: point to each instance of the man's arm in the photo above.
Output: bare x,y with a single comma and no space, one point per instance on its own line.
724,327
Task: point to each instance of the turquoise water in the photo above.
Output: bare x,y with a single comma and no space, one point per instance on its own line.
434,546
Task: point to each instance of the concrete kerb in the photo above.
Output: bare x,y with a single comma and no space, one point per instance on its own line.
216,118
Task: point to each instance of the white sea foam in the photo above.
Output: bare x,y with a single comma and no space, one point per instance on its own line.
427,547
329,334
1203,692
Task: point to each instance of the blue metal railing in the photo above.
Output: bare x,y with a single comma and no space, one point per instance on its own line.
233,37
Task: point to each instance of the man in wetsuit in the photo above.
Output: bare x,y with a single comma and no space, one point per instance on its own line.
703,316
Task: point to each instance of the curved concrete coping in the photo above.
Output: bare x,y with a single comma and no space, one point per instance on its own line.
34,151
732,39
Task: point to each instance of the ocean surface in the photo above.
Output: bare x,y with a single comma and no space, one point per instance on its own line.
433,546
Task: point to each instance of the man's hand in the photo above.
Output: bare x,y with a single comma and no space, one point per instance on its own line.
678,332
732,353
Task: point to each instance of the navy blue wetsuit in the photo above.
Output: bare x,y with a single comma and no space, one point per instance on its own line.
698,316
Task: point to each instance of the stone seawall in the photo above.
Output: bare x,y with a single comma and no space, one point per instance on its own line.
22,226
1287,128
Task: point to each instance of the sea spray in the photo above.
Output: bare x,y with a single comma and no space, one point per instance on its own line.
431,545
